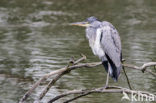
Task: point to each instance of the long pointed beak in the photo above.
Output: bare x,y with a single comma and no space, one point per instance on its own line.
84,24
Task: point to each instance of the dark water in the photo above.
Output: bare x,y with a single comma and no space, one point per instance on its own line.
35,38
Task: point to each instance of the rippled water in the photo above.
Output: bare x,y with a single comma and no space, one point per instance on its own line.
35,38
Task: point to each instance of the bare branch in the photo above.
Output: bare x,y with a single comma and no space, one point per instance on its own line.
77,65
111,89
51,83
81,59
59,71
128,82
46,89
79,96
142,68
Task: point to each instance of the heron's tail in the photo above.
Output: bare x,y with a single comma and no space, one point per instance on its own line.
113,70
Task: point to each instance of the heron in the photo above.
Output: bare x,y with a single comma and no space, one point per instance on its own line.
105,43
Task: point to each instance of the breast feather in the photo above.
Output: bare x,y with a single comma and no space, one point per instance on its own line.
96,47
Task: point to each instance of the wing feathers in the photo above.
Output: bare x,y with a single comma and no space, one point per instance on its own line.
111,44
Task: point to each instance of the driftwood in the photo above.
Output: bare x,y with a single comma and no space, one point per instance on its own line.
75,65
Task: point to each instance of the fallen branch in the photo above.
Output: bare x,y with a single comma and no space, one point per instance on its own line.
111,89
142,68
76,65
46,89
59,72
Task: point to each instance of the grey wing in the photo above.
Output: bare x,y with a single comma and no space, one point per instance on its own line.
111,43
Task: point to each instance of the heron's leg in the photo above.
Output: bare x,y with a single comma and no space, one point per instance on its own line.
107,79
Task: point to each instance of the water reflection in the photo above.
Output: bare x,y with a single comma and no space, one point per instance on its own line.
35,38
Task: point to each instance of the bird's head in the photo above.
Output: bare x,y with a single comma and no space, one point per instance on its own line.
85,23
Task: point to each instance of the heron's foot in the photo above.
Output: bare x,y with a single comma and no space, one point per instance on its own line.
105,87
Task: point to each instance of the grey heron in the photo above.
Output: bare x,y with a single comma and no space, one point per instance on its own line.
105,43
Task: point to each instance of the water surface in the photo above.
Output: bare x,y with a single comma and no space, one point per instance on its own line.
35,38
